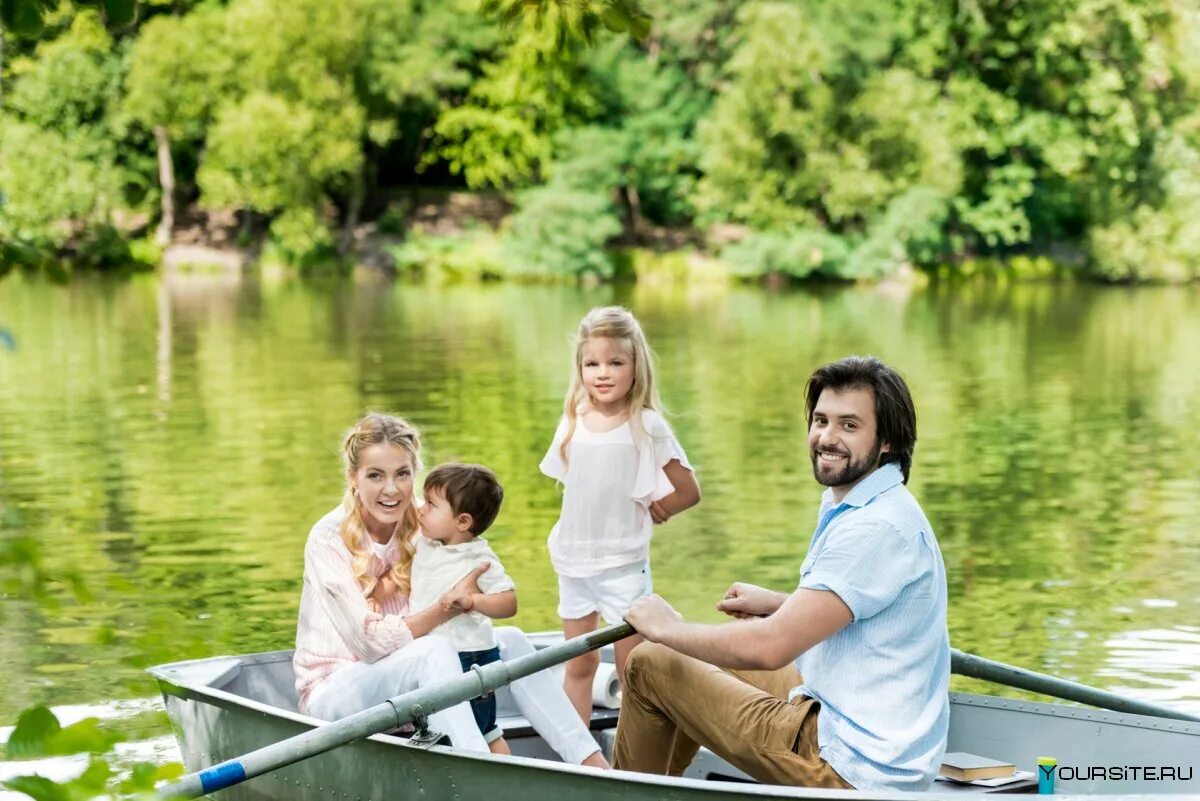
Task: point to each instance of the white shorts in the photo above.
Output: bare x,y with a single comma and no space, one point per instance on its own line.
610,593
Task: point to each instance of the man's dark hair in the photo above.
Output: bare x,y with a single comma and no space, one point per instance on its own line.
469,489
895,414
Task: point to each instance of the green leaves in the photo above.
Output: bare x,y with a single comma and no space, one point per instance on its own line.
561,230
120,13
145,776
39,788
573,20
23,17
796,253
27,17
621,17
38,733
1015,127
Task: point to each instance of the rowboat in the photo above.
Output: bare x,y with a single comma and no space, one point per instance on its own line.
222,707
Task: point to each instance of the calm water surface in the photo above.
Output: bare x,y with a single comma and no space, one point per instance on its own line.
165,445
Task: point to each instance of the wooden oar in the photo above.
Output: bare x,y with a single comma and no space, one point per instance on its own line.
977,667
388,715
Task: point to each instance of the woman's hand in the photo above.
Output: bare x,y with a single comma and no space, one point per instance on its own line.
458,599
386,588
425,621
470,582
658,514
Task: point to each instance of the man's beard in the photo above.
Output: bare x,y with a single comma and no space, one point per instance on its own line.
853,470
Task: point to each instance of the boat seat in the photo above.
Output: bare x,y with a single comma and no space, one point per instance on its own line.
518,726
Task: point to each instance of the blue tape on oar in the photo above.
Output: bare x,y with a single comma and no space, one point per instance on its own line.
221,776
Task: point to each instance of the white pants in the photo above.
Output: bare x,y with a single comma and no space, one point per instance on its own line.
423,662
544,704
431,660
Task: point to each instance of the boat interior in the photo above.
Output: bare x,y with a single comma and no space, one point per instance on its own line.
1018,731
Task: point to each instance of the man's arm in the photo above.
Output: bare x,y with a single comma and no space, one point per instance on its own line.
806,618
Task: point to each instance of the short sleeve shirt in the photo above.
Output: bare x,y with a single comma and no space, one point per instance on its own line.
436,568
883,680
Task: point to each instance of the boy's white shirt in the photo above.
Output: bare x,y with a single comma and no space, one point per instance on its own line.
436,568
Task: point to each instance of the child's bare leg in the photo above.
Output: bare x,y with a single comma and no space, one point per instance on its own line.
582,669
621,649
499,746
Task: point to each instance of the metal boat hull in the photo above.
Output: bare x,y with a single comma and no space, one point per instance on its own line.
226,706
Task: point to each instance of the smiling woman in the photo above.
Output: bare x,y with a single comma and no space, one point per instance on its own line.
349,654
383,483
356,647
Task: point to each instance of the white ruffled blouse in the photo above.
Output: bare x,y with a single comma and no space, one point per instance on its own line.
609,482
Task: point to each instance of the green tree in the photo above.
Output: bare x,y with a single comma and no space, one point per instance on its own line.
60,172
273,156
808,133
560,230
319,93
1157,241
501,134
178,72
567,21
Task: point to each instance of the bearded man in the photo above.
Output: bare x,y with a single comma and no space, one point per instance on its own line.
843,682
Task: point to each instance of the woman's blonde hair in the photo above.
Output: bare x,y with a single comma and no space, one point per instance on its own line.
619,324
376,429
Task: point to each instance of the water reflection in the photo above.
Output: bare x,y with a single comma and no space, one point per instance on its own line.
166,444
1156,664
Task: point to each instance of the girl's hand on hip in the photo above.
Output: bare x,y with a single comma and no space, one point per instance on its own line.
658,514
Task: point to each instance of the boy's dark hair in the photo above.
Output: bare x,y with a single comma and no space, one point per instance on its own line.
895,413
469,489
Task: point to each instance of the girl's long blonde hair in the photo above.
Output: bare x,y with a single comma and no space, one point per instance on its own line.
376,429
617,323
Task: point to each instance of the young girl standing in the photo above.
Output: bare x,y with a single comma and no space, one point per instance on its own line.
622,471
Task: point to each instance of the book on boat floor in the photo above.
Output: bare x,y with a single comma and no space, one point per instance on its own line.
999,781
964,767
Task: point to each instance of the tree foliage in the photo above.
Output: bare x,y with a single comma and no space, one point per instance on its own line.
60,170
913,133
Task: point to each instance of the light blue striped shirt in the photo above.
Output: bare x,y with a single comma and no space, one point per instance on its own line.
882,680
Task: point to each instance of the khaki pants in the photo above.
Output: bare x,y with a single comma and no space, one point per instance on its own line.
672,704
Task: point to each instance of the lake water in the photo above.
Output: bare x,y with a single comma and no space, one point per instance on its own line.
165,445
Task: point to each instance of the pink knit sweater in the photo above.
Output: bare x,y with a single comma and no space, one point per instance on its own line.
335,627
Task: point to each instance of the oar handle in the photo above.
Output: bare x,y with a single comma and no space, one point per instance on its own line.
607,636
978,667
391,713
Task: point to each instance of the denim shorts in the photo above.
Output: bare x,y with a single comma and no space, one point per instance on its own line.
484,708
